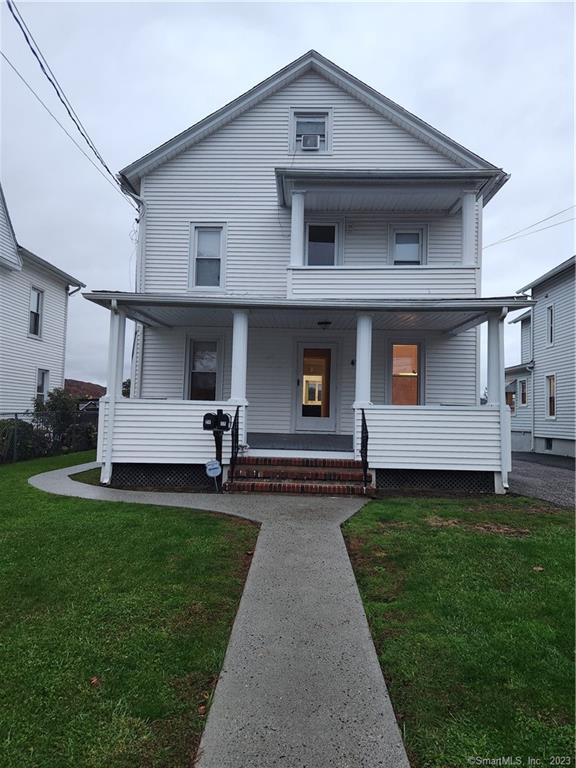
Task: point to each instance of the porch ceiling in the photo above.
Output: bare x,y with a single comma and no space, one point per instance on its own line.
444,316
385,191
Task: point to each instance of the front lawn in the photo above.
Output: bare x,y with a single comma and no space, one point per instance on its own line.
470,603
114,620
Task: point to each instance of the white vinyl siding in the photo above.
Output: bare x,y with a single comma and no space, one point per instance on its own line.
8,247
526,341
230,174
21,355
449,370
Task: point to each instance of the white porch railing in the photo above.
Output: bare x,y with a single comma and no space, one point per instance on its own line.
385,282
434,437
162,431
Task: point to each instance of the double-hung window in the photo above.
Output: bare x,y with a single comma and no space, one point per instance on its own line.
203,383
408,245
523,392
35,316
550,325
42,384
207,256
551,396
321,245
310,131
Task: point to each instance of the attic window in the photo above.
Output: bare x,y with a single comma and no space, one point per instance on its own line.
310,132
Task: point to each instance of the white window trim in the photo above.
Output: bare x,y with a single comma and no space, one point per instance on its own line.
41,320
421,369
293,148
548,342
519,403
194,226
220,347
338,243
547,399
409,226
46,384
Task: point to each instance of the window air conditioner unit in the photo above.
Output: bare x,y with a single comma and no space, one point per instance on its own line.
310,141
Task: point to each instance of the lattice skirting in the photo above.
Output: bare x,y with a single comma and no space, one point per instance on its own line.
435,480
167,476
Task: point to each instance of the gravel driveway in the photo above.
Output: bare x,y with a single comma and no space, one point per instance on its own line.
545,477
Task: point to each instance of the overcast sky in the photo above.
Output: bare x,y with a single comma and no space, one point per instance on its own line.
496,77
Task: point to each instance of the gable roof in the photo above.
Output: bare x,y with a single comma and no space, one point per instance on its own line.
568,264
9,256
28,256
311,61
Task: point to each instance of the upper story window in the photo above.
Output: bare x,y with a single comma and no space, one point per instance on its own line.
408,245
207,256
35,316
321,245
550,325
310,131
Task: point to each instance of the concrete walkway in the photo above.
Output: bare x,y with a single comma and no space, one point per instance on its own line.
301,686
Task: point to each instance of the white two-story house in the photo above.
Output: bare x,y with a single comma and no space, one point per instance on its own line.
541,389
33,318
309,262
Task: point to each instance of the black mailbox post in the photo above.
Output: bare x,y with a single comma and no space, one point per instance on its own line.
217,423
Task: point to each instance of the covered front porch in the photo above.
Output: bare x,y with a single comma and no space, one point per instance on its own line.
308,380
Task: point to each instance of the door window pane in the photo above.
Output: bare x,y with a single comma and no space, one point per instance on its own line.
407,247
405,374
321,245
204,366
316,383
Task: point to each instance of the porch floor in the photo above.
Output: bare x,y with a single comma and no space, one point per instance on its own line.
300,442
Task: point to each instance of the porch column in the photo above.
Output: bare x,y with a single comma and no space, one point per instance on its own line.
116,345
239,356
469,228
297,230
493,360
363,360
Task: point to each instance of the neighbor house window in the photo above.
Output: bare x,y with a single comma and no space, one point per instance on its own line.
511,398
405,374
35,317
207,256
550,325
321,245
203,370
42,385
408,245
551,396
523,392
310,131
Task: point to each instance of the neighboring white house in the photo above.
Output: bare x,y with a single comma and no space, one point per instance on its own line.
310,258
541,390
33,314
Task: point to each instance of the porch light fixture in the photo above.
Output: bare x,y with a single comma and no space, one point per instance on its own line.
324,324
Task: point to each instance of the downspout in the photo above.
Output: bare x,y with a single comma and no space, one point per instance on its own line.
504,411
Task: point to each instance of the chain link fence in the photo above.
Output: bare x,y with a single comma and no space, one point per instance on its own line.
30,435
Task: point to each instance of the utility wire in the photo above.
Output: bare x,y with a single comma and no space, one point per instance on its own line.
527,234
52,79
513,235
72,139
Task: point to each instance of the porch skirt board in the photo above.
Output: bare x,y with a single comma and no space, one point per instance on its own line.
161,476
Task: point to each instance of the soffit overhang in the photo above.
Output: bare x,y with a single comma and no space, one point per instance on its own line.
408,315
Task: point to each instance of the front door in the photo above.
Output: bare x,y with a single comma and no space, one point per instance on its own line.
315,388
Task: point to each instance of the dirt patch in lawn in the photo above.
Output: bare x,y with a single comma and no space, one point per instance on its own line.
502,530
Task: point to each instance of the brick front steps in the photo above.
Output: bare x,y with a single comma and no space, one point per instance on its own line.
271,474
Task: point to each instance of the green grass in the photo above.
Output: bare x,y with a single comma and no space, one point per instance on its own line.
114,620
473,623
89,476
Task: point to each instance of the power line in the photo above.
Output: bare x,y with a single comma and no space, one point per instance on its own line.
72,139
52,79
527,234
513,235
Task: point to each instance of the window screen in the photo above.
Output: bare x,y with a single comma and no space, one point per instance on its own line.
208,256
